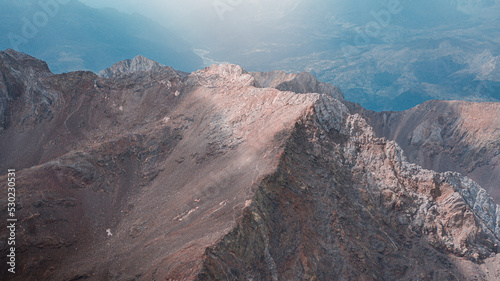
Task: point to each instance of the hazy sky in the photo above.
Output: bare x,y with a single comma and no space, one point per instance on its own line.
170,11
155,9
150,6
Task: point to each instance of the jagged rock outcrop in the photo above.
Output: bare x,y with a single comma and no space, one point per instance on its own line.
215,175
448,136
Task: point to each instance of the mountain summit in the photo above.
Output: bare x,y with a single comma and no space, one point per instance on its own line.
138,63
220,175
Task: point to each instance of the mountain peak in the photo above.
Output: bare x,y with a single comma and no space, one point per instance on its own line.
140,59
222,74
139,63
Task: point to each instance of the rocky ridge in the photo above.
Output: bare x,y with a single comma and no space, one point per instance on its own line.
216,175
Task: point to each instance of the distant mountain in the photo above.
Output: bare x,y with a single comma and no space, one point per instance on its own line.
71,36
139,63
300,83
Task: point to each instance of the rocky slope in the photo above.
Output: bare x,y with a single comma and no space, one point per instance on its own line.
448,136
215,175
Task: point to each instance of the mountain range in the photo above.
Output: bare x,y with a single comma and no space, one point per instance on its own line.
71,36
148,173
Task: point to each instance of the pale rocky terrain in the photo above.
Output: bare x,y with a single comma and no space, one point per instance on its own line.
221,174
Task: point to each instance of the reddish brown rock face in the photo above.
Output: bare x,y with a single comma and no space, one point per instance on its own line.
154,174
